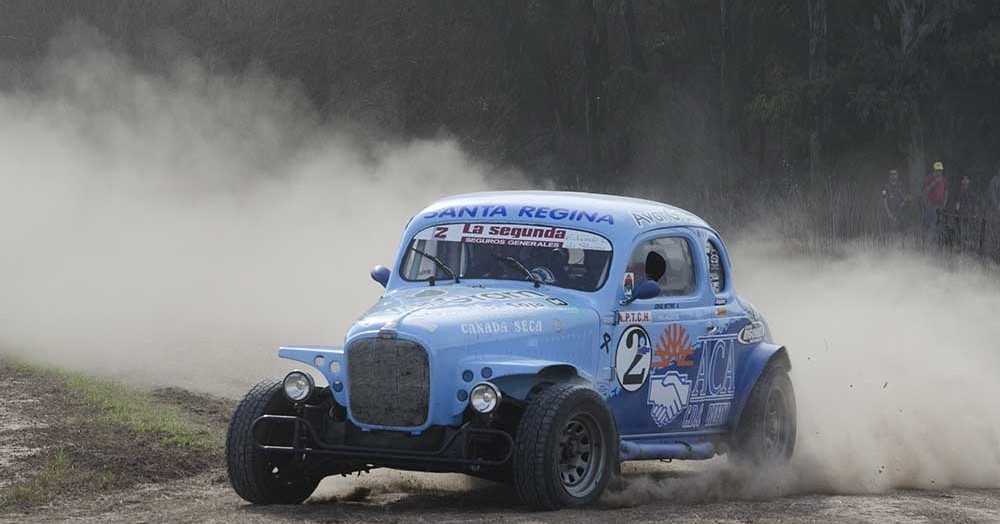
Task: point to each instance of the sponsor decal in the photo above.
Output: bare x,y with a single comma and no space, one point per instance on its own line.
557,325
692,417
663,215
635,317
669,305
550,213
668,395
673,391
484,328
493,328
516,235
720,301
714,266
673,348
717,414
716,377
632,358
527,326
479,299
721,311
628,284
751,333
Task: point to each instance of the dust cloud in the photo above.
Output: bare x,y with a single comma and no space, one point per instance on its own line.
176,227
896,366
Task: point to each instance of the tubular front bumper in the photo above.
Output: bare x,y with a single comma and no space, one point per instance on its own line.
455,451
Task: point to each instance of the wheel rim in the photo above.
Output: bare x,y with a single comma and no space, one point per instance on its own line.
776,431
581,455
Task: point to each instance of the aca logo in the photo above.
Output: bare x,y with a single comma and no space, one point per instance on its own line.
670,390
674,389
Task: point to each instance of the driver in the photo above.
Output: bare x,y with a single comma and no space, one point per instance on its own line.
656,266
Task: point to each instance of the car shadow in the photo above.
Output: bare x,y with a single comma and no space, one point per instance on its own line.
484,501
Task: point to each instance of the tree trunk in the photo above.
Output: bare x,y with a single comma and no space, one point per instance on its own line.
634,46
917,20
597,67
915,148
817,78
728,11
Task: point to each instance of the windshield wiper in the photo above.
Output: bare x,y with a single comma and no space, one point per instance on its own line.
437,261
517,264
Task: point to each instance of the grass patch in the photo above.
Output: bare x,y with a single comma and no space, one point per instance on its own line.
138,411
97,435
131,408
58,474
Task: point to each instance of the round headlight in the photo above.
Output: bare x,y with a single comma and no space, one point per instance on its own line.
484,398
298,386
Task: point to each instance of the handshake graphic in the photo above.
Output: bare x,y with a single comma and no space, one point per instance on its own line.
669,396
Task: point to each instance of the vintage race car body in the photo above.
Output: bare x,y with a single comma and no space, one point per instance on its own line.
675,369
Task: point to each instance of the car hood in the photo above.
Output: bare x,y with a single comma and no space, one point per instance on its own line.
482,319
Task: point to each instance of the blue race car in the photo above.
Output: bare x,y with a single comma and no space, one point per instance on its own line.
534,338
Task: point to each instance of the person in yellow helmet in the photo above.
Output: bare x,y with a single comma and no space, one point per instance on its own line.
935,191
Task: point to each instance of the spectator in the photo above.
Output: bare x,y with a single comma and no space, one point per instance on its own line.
894,200
963,203
994,192
960,228
935,191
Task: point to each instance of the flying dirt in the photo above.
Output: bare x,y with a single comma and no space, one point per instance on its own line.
174,228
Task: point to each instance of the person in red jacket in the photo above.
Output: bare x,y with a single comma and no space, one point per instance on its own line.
935,191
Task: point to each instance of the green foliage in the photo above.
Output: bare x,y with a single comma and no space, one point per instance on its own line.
592,93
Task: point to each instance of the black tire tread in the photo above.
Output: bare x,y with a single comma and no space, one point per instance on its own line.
531,474
242,454
745,449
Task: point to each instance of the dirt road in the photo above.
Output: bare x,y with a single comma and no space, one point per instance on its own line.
207,498
106,477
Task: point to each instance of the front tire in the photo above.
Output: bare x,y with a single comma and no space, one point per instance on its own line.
260,477
565,449
766,434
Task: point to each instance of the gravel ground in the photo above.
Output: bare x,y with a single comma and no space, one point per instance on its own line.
679,492
208,498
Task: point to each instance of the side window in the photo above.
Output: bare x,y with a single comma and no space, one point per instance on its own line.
667,261
716,273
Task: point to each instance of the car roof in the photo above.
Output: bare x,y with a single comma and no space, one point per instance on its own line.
572,209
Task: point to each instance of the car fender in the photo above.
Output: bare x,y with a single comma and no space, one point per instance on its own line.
753,366
517,377
311,355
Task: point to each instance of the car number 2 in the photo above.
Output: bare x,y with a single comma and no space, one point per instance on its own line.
632,358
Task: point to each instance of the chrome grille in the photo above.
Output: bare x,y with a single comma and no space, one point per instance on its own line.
389,382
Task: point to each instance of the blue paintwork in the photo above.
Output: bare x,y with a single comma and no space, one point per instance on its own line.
381,275
630,450
519,331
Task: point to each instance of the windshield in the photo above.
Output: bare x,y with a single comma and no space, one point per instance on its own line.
555,256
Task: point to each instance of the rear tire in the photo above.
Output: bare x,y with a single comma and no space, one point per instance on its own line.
767,429
565,449
260,477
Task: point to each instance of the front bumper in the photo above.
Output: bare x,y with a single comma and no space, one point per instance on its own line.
461,448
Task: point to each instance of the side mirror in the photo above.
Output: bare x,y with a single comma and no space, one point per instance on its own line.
645,290
381,274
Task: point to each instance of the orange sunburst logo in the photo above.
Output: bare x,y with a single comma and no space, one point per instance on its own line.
673,347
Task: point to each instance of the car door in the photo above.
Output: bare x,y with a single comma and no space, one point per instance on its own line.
729,336
658,356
